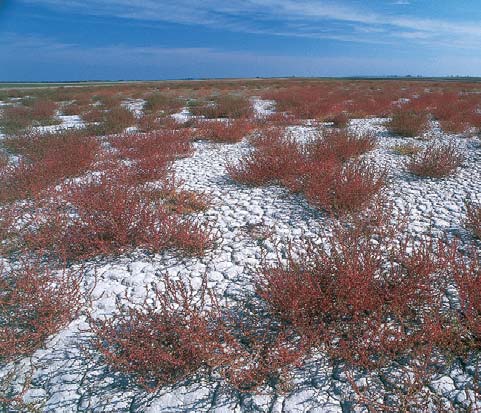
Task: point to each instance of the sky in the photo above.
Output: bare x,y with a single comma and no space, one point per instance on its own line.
65,40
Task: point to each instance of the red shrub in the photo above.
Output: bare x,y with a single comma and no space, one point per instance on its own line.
467,274
93,115
177,332
35,303
436,161
366,297
274,159
342,145
46,160
457,112
152,153
112,217
406,122
224,131
42,110
316,169
473,219
257,350
163,340
339,188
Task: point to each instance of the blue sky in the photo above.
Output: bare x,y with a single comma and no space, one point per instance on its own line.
175,39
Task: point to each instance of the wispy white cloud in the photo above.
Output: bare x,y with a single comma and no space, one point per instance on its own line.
250,16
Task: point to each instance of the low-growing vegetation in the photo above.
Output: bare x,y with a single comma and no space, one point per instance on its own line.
35,302
436,160
390,305
405,122
326,170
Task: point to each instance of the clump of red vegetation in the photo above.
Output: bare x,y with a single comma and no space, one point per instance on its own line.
274,159
42,110
45,160
407,122
153,152
457,112
177,332
325,170
108,215
342,187
467,274
223,106
340,120
341,145
93,115
162,341
473,219
436,160
228,131
355,299
35,302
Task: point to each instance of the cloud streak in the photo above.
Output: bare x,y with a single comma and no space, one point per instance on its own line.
250,16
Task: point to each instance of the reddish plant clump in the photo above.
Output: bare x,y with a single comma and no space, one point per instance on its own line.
46,160
152,153
340,188
163,340
405,122
473,219
177,332
35,302
467,274
112,217
436,161
364,306
229,131
323,169
341,145
274,159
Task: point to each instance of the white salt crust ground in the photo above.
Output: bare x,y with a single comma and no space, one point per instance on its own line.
67,378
